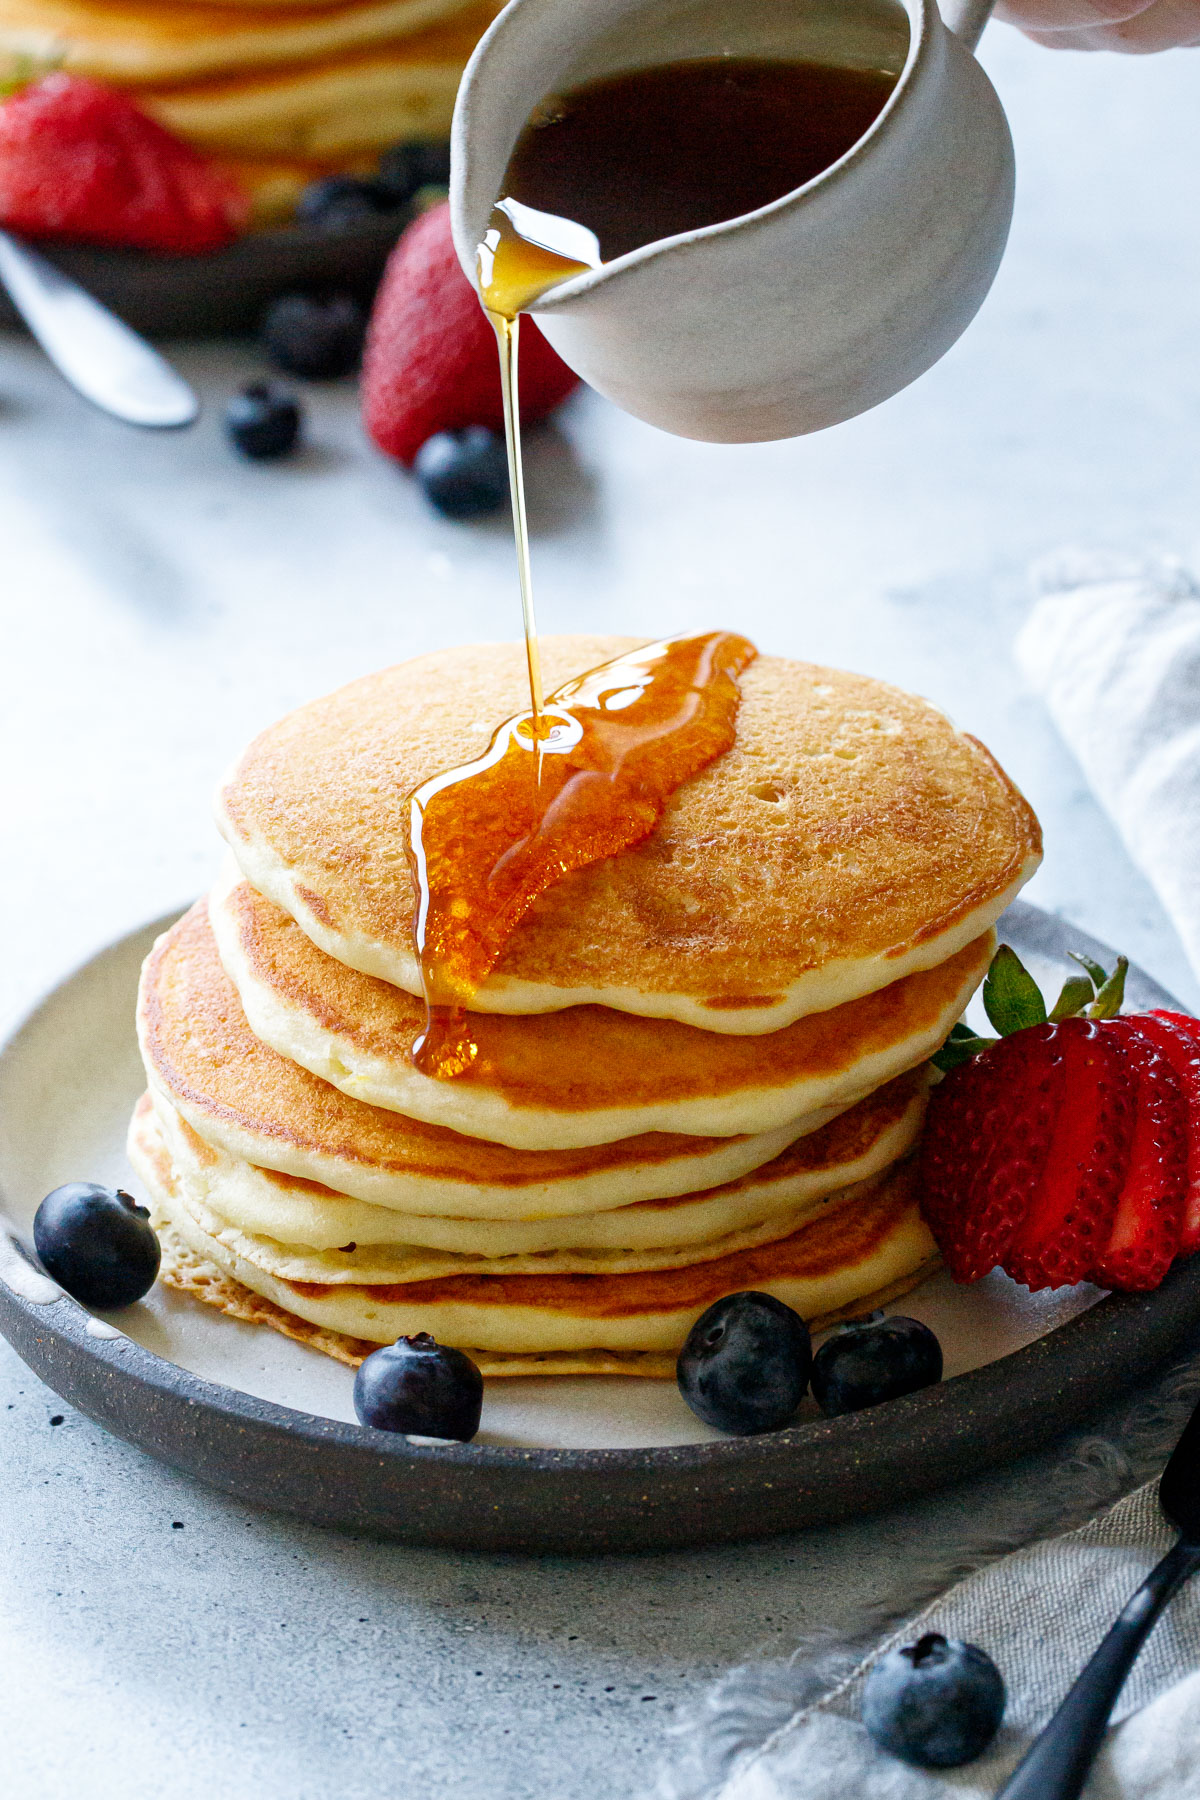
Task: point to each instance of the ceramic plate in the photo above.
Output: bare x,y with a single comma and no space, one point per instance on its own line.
583,1464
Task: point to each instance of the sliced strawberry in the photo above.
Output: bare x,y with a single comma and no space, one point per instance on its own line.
986,1137
1144,1239
1177,1037
1070,1218
79,160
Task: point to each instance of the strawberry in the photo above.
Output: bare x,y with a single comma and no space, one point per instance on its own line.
1073,1203
984,1143
431,362
1145,1234
80,161
1177,1037
1069,1148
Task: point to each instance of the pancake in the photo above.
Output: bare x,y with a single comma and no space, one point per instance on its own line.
341,107
188,1273
202,1177
585,1075
874,1242
858,1146
851,837
164,44
237,1093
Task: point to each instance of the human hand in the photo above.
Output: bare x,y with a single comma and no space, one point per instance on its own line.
1131,25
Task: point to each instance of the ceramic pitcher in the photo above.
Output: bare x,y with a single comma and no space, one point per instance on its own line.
811,309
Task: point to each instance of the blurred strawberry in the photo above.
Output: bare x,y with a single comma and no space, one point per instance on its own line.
80,161
431,362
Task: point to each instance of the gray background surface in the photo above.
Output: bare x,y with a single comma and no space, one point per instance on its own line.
161,602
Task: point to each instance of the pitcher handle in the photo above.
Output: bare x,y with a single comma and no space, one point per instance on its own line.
966,18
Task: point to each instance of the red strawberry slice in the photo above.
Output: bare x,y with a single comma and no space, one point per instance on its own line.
1144,1239
986,1138
431,362
1070,1218
80,161
1177,1037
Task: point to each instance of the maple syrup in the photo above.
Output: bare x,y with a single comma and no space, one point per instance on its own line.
487,838
600,170
632,158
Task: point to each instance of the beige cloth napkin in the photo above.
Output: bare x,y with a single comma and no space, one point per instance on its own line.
1113,647
1040,1613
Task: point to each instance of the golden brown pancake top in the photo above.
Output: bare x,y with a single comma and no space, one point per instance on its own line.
840,1236
849,821
588,1058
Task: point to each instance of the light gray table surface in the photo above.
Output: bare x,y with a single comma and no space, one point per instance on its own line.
161,601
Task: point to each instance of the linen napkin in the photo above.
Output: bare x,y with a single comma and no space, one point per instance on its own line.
1040,1613
1113,647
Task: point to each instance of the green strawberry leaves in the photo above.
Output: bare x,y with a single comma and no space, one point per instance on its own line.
1096,972
1077,992
1012,999
1013,1002
1110,995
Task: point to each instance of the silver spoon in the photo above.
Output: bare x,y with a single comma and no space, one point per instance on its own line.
100,356
1057,1764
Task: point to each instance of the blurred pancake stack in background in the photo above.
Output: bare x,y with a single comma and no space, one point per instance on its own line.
700,1065
284,92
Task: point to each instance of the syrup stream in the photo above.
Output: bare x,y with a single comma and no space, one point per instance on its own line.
609,748
508,338
519,259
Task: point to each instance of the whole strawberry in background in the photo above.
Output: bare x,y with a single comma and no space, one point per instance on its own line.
1067,1149
79,161
431,363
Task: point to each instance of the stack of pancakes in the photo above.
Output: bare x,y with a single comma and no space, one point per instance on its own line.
701,1064
283,91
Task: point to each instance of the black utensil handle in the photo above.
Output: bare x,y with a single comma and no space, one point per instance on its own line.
1056,1765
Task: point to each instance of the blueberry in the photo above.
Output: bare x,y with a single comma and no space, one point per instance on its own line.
405,169
418,1385
263,421
744,1367
464,473
936,1703
319,336
97,1243
872,1360
337,201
